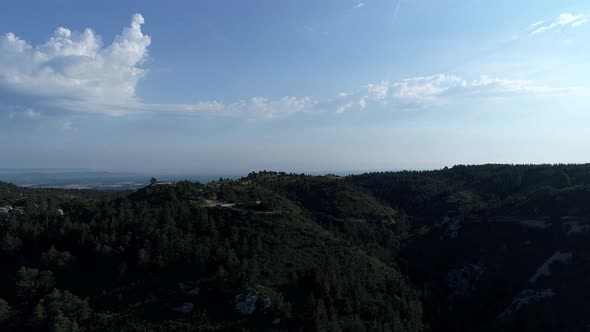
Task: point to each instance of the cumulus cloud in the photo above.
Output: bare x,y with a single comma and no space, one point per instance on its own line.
564,20
75,69
75,72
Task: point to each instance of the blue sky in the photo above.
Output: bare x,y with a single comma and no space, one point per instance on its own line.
304,86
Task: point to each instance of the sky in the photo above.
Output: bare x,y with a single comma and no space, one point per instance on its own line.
235,86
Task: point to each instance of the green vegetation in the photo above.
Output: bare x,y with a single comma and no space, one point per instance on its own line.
451,249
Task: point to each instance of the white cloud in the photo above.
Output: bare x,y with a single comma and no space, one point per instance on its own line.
22,112
435,90
268,108
67,125
75,68
31,113
579,22
378,91
344,107
359,5
74,72
256,107
564,20
405,94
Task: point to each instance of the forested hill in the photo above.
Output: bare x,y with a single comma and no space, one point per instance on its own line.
468,248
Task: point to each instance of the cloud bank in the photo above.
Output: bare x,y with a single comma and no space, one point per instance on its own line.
406,94
431,91
73,72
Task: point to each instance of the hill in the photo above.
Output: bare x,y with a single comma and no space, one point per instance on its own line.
478,248
166,258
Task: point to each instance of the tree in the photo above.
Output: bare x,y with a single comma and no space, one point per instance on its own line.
62,311
4,309
309,308
54,258
319,319
10,243
32,283
153,181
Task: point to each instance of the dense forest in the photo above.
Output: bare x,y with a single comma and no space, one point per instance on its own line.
467,248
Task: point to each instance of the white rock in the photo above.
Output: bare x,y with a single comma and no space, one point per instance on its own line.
563,257
245,304
185,308
526,297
